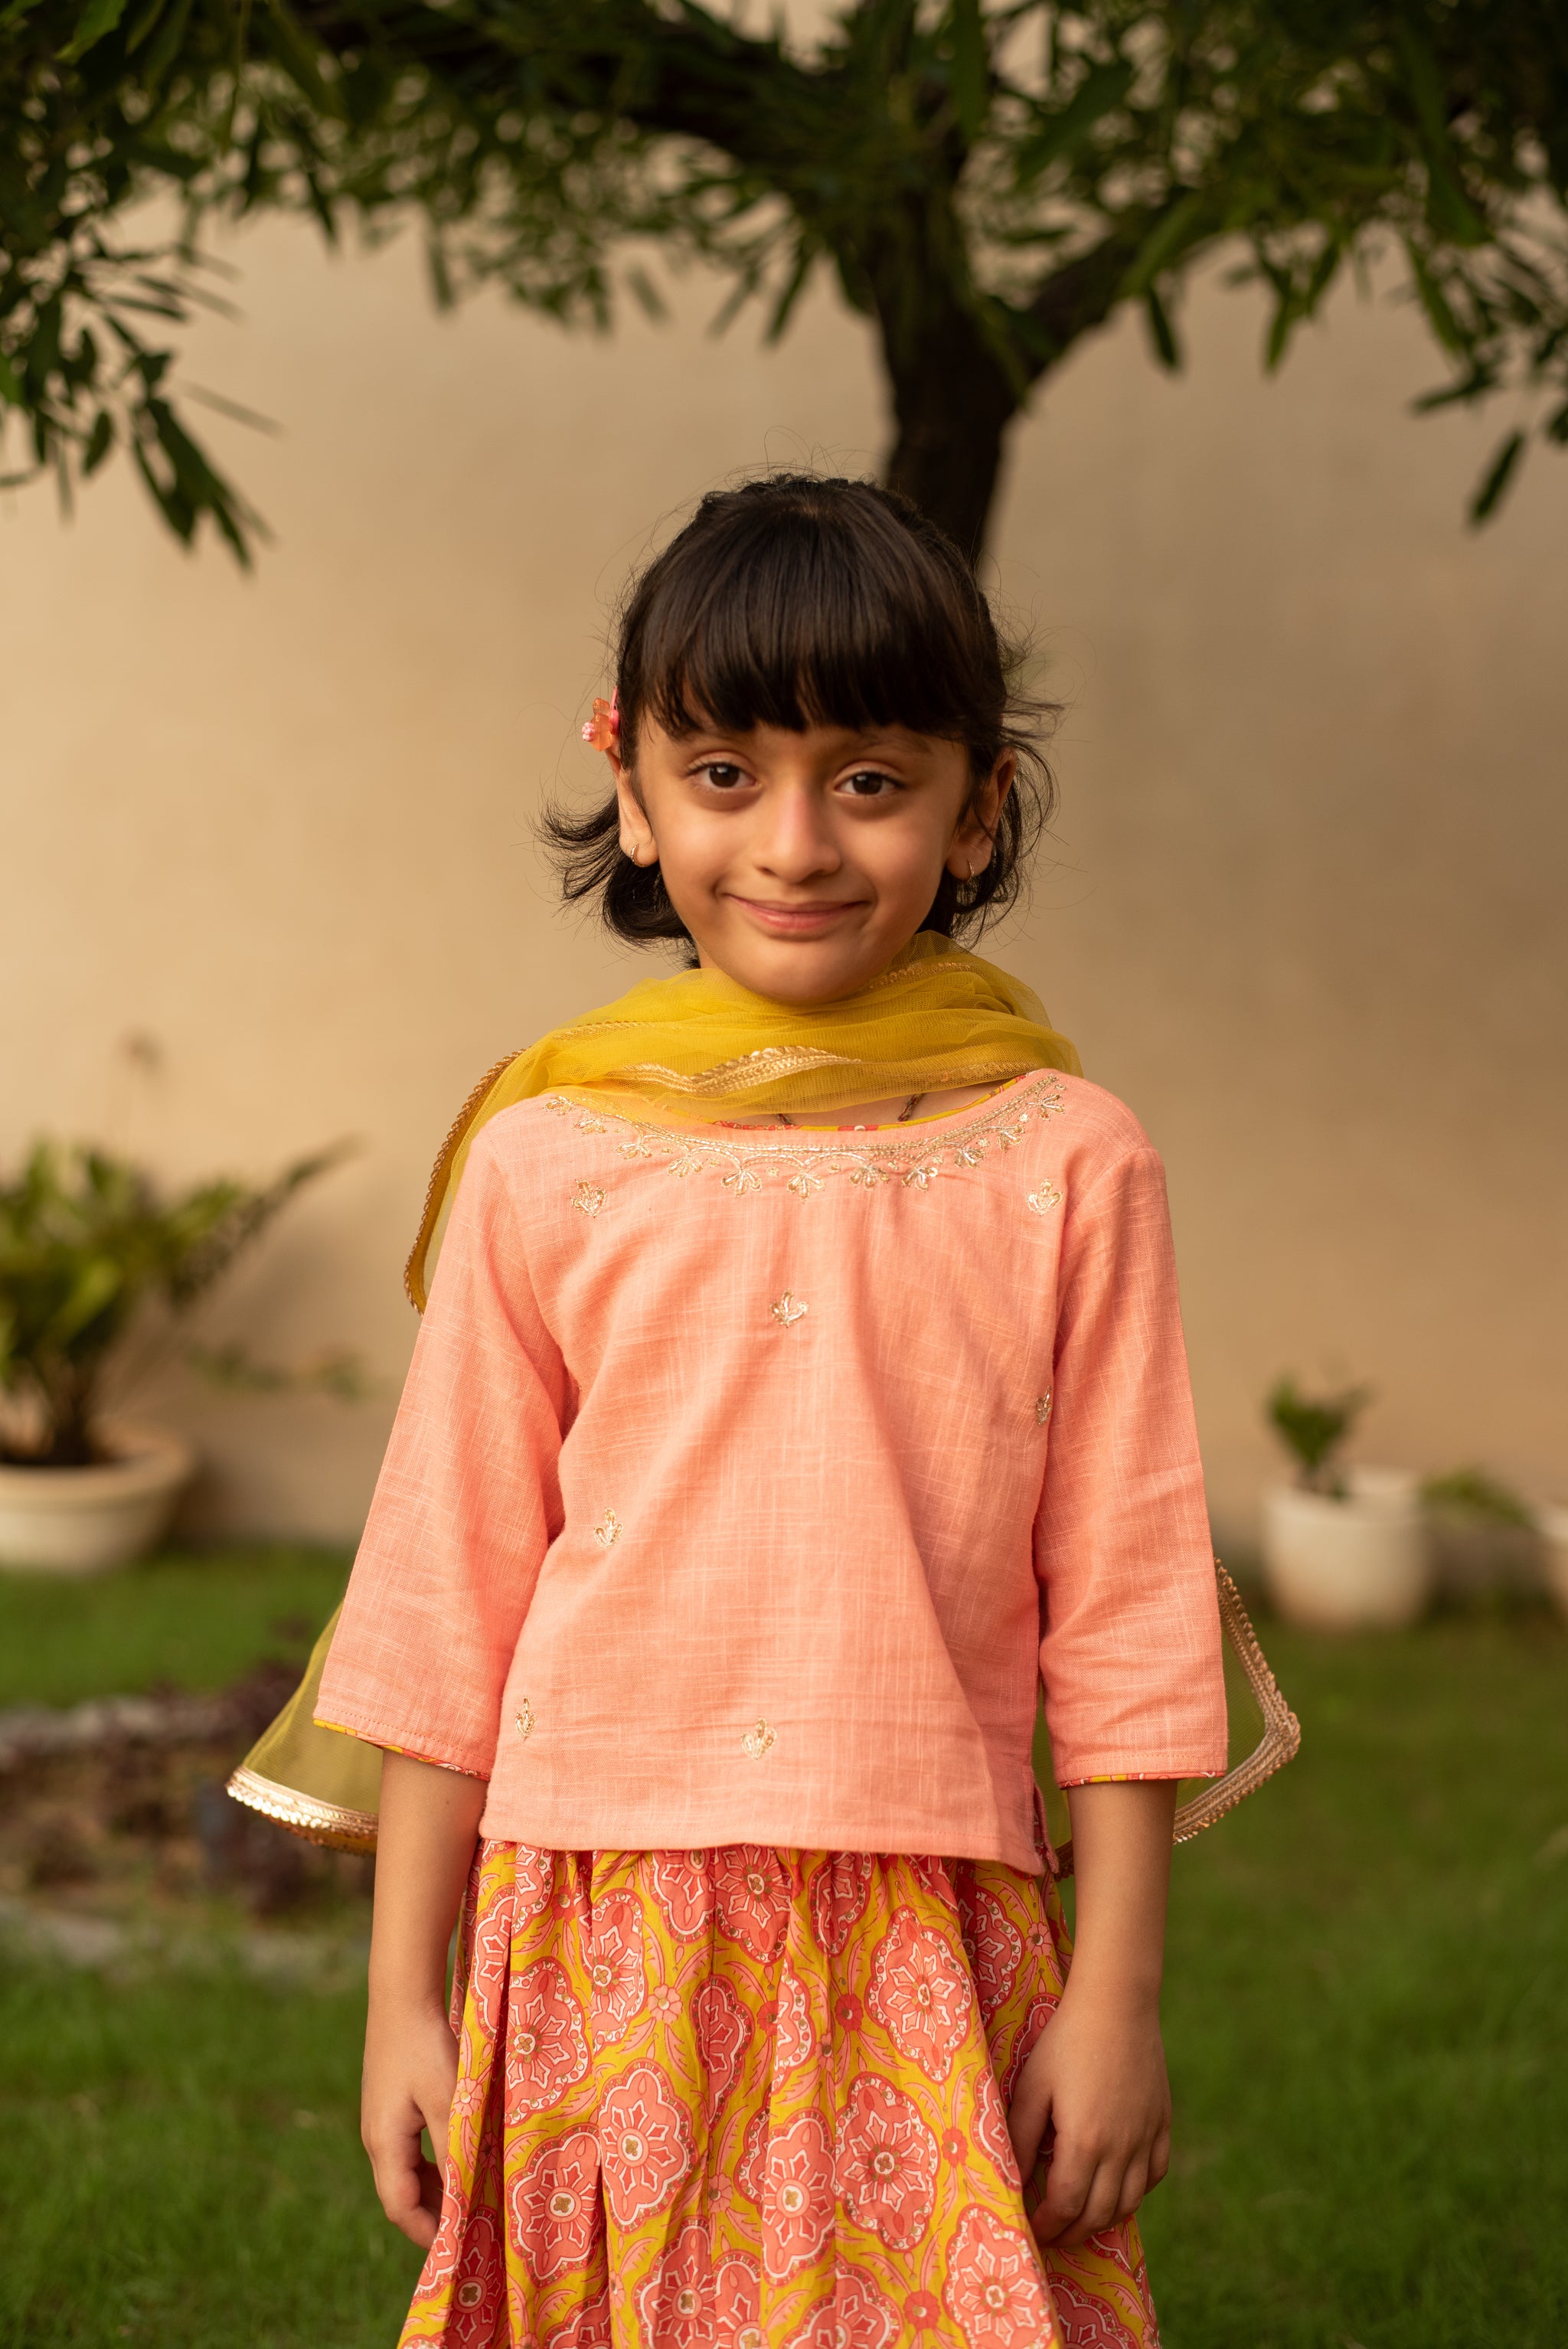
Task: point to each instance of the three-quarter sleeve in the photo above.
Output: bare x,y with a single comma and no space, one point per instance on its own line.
466,1506
1131,1653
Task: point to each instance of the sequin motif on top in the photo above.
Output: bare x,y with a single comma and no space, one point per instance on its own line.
915,1161
1045,1198
759,1741
588,1199
787,1310
607,1532
1043,1406
524,1718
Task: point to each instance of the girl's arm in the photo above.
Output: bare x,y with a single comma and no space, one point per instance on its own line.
1096,2076
429,1824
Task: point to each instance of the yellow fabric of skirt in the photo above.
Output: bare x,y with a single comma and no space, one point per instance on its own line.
747,2098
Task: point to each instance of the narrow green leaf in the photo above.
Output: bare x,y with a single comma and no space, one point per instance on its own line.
1450,210
1490,494
1426,85
1183,225
10,383
144,24
165,48
1281,326
101,440
1324,270
99,17
1474,386
647,295
1167,350
971,81
1435,303
783,309
1100,91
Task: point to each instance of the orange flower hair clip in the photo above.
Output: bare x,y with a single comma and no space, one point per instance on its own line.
603,728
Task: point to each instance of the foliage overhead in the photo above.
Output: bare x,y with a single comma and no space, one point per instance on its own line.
86,1245
988,183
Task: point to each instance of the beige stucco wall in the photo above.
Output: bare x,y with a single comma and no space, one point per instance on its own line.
1303,909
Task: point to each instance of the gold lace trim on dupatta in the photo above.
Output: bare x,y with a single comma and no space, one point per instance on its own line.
1279,1744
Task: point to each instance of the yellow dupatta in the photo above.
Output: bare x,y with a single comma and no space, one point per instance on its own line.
686,1047
938,1017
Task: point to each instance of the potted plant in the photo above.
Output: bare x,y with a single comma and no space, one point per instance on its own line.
1486,1538
92,1254
1344,1548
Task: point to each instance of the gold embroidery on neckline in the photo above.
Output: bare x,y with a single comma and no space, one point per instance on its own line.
911,1161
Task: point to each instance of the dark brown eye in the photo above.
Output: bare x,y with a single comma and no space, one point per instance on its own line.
722,773
870,784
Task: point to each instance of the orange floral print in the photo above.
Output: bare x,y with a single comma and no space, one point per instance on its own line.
923,1993
754,2099
546,2051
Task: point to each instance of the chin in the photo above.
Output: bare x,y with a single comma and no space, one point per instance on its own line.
799,975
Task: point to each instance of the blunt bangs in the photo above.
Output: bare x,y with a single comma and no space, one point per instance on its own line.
804,618
795,601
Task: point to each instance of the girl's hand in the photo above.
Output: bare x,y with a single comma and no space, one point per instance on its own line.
1094,2081
411,2073
429,1821
1094,2086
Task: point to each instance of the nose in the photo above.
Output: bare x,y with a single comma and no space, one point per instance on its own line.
797,843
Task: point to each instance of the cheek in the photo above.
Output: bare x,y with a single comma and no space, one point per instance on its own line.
694,848
910,849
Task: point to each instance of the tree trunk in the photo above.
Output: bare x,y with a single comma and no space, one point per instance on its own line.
952,399
953,403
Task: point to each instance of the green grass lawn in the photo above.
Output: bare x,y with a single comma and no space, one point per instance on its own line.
1368,2023
194,1621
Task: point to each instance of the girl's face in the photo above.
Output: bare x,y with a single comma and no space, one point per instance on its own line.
802,863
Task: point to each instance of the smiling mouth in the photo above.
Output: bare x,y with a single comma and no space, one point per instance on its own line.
780,915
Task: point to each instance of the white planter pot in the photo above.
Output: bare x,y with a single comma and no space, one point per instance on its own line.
1352,1565
1554,1524
84,1520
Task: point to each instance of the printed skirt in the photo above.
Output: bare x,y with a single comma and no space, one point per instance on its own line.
748,2098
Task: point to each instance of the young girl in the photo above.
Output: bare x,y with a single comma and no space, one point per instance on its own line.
801,1385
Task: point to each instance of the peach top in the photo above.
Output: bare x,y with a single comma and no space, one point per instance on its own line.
747,1482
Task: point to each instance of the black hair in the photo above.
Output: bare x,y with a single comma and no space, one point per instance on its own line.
798,600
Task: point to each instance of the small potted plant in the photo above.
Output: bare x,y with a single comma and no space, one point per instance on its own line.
1344,1548
92,1254
1486,1538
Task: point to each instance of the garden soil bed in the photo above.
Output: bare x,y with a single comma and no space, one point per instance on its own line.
115,1810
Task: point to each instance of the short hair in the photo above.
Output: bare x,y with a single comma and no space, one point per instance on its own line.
796,600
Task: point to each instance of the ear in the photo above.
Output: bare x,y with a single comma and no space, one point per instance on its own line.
636,835
970,852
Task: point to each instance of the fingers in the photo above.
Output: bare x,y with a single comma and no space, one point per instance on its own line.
1069,2181
410,2074
1028,2117
1083,2197
409,2188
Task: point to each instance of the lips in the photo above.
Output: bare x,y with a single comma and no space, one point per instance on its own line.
783,916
